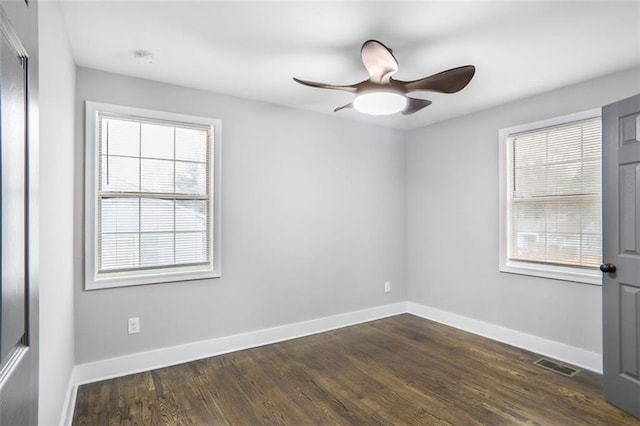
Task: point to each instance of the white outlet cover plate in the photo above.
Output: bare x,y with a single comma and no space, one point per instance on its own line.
133,325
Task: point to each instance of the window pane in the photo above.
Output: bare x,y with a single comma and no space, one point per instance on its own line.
157,141
591,177
564,217
591,220
529,216
120,137
191,178
156,215
528,246
156,250
591,142
119,215
191,145
530,181
119,251
563,248
564,145
530,149
191,247
157,176
191,215
591,250
120,174
564,179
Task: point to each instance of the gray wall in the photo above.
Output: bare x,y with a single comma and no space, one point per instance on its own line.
315,220
452,221
57,109
313,224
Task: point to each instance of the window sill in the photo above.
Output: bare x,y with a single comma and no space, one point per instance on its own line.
125,280
564,273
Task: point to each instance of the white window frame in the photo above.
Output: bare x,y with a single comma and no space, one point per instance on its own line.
94,281
559,272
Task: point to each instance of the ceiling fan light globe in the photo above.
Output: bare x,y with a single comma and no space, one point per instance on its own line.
380,103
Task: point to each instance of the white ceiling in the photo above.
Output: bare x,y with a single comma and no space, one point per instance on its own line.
253,49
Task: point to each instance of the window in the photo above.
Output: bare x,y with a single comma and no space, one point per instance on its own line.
550,196
152,197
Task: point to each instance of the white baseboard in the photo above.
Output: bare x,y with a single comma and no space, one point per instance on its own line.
560,351
144,361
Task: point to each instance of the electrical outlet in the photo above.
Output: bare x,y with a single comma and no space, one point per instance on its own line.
387,286
133,325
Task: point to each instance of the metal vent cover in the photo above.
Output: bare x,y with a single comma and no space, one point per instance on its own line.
565,370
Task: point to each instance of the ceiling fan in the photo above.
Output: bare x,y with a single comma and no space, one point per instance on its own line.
380,94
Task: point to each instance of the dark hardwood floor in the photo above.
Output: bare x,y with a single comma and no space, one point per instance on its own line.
399,370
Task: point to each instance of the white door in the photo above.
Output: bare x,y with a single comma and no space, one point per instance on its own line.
621,281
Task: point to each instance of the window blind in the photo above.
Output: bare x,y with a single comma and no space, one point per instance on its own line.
153,203
555,194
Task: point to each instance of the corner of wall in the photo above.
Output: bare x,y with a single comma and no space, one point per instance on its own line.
57,104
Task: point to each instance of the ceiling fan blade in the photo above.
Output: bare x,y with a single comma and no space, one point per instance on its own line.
415,105
450,81
379,61
350,88
349,105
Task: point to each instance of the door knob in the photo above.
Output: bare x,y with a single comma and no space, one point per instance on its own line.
608,267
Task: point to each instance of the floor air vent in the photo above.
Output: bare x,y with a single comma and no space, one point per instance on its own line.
558,368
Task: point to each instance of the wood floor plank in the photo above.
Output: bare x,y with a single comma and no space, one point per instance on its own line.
398,370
